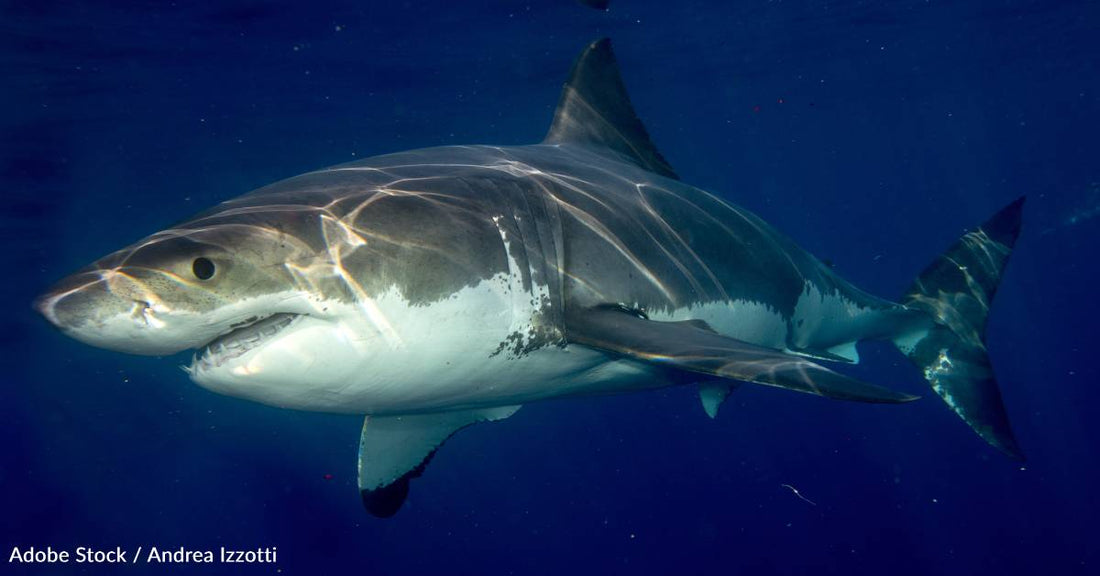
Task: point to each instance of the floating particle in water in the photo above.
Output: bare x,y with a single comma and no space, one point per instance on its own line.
799,494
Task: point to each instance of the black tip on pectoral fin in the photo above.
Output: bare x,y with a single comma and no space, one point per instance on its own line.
393,450
594,110
385,501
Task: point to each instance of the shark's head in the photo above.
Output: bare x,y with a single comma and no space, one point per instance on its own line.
223,288
177,289
286,301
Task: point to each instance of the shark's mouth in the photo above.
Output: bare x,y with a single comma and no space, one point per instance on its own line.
243,338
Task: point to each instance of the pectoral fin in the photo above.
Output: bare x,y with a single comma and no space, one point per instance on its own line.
692,346
395,449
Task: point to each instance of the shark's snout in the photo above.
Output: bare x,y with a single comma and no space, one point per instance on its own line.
75,301
100,308
41,304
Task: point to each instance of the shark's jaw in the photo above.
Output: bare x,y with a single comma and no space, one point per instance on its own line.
284,359
242,339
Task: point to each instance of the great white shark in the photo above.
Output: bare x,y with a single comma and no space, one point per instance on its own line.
433,289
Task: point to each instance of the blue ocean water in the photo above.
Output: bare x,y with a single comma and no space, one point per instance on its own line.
873,133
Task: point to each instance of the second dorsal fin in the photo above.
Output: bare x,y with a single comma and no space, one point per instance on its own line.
595,110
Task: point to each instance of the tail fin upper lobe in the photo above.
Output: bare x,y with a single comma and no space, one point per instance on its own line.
956,291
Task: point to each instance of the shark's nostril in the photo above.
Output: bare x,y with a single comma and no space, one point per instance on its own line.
139,310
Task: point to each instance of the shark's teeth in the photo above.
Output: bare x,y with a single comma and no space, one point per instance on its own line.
239,341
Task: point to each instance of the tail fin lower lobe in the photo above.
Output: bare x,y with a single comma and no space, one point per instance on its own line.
956,291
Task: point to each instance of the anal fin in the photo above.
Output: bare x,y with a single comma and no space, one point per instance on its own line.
713,393
395,449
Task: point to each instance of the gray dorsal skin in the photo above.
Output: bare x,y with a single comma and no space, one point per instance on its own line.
595,111
435,288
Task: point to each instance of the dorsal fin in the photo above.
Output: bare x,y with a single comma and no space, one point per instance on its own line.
595,110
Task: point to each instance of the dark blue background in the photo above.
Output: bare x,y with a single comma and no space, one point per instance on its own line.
874,133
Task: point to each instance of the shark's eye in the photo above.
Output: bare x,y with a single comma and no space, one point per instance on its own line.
203,268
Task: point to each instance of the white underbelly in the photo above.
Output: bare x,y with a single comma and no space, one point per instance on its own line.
384,355
551,372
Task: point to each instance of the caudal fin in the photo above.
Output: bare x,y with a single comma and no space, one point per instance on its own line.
956,291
